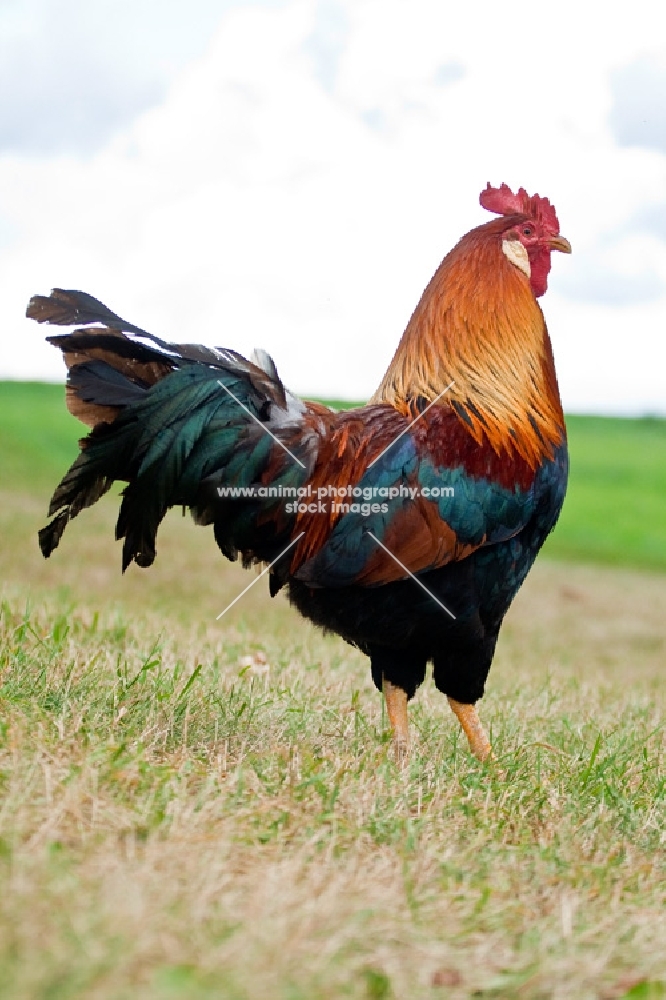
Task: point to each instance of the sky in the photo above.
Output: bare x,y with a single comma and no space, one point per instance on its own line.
289,174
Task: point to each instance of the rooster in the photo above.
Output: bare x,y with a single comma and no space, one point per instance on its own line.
407,525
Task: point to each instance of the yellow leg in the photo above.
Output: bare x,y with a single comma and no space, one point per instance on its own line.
396,705
472,728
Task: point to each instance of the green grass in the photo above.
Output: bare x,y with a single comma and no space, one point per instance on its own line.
615,511
38,435
195,809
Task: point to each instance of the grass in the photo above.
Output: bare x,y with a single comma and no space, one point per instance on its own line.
37,435
615,507
194,809
203,811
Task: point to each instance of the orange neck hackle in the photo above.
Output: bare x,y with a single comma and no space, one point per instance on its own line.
479,326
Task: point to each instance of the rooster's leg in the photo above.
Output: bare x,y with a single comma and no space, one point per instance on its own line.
396,706
479,743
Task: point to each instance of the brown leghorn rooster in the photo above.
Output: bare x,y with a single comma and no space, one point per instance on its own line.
416,518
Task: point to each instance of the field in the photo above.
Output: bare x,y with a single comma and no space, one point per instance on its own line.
201,809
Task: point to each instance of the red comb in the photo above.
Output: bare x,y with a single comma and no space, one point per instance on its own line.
503,201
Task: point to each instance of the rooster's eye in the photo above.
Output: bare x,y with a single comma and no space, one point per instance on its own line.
527,231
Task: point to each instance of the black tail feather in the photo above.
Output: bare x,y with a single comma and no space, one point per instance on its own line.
161,423
81,487
49,536
69,307
98,382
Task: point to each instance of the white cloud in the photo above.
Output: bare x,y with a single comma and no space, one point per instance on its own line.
301,180
72,74
638,117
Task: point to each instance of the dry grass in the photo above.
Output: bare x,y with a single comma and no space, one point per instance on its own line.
196,810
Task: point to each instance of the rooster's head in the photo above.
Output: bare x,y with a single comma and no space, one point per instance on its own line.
531,233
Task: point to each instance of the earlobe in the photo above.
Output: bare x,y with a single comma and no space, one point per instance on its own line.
517,254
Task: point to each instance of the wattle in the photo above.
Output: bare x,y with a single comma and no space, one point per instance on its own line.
540,266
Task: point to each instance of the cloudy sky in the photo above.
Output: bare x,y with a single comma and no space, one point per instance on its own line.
288,173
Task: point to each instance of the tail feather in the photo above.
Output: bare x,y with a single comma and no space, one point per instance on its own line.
82,486
140,362
167,422
100,383
67,307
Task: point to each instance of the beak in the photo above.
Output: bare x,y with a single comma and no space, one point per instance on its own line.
559,243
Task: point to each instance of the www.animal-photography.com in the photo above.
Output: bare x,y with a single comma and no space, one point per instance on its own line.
333,501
